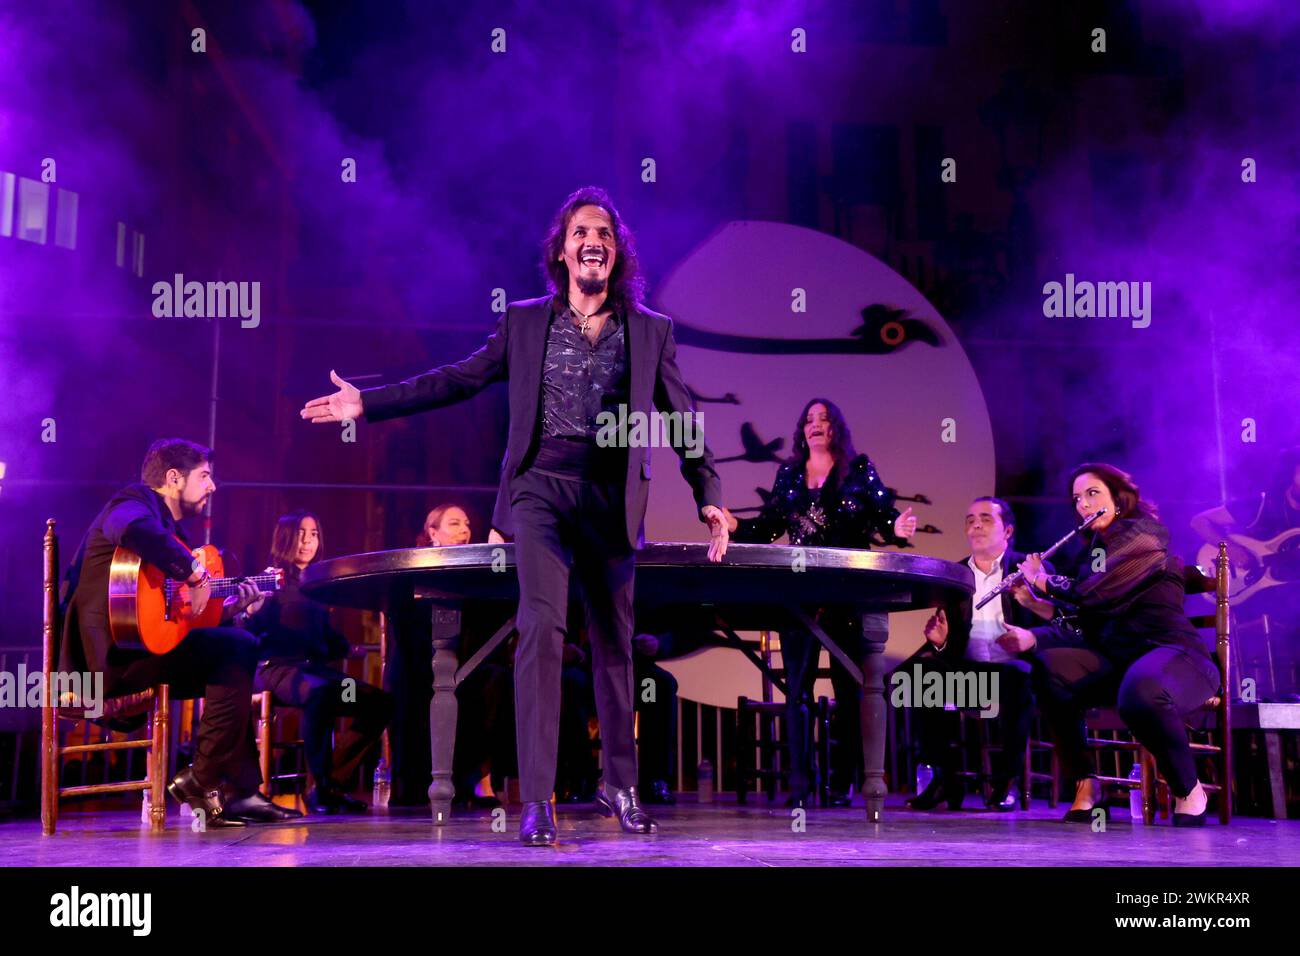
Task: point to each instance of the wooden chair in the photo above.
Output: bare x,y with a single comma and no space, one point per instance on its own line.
1052,777
267,745
983,756
1216,711
155,701
763,760
1028,775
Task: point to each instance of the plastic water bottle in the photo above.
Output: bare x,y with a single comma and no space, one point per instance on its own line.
383,780
924,774
1135,796
704,782
146,804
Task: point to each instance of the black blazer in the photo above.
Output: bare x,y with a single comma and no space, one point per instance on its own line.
515,352
138,518
1012,611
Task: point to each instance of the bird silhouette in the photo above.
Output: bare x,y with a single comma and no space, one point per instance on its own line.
883,330
755,449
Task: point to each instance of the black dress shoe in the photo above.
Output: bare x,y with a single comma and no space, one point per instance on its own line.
658,792
537,825
256,808
942,788
185,789
841,799
625,805
329,800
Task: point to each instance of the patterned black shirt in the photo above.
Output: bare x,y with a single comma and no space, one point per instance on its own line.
580,379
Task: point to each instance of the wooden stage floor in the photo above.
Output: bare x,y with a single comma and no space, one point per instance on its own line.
718,834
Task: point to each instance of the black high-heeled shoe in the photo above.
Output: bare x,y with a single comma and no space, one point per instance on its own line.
1085,815
942,788
1191,819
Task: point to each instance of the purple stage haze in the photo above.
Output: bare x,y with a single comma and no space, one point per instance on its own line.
1122,166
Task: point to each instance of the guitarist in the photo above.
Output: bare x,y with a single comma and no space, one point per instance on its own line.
214,663
1269,616
1263,517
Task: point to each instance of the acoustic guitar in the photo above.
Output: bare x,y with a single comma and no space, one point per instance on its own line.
147,609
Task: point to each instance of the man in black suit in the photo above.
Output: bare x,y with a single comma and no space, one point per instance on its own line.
572,358
970,644
215,663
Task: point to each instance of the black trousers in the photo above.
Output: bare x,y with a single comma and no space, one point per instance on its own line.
938,728
1154,694
319,691
215,663
799,654
561,526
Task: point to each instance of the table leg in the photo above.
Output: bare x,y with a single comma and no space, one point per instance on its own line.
443,707
873,725
1276,784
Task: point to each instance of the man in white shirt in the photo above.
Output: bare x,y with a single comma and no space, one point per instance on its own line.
969,644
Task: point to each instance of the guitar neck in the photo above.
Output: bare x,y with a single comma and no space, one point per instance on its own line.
264,582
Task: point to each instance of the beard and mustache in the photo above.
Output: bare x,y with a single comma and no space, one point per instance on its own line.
592,286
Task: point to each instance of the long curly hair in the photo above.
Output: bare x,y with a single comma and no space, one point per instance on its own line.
626,285
841,443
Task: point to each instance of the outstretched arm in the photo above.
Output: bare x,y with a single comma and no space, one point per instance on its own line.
437,387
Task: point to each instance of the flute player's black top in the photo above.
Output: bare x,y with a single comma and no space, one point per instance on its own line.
854,513
1132,603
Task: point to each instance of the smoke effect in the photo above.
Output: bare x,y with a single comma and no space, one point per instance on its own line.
1158,196
229,163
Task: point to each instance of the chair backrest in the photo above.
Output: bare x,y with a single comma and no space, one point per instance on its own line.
52,629
52,621
765,653
1196,581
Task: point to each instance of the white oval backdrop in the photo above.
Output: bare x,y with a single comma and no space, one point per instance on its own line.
740,282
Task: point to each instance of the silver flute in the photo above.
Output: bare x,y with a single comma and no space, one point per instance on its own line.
1018,578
